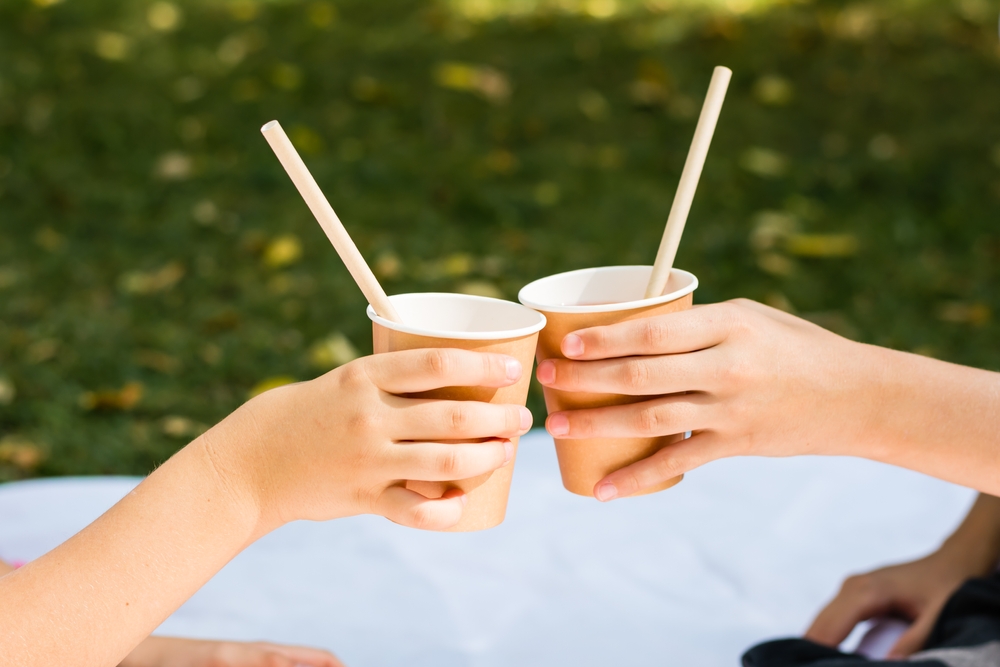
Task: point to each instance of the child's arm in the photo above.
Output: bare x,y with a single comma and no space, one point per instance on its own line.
176,652
916,590
752,380
336,446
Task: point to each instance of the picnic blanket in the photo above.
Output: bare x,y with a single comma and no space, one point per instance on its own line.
741,551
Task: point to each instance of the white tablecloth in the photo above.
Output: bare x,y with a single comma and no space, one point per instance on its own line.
742,550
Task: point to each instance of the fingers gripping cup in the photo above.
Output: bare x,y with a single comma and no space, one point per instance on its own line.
596,297
469,323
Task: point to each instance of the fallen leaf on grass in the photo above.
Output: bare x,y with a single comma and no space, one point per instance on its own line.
764,162
480,288
822,245
269,384
158,361
770,227
21,453
150,282
773,90
958,312
7,391
485,81
181,427
282,251
42,350
123,399
387,265
335,350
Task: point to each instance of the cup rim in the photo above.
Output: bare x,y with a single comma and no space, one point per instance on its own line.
458,335
611,307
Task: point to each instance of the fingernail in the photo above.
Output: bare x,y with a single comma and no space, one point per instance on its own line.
558,424
606,491
513,369
525,419
508,451
546,372
465,499
572,345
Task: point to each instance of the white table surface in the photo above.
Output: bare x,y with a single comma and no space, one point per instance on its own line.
741,551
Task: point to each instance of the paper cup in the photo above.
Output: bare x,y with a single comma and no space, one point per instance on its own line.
588,298
468,323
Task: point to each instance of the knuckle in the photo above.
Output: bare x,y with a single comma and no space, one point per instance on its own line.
649,420
737,316
635,375
581,423
459,418
422,516
598,338
858,584
275,660
664,467
440,363
353,375
364,420
654,333
568,374
450,461
512,417
494,367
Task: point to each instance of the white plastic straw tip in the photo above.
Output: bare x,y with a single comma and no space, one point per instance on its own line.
269,126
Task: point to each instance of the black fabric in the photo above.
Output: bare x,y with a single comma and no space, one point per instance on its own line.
970,618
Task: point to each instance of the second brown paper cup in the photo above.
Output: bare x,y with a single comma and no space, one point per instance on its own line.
468,323
588,298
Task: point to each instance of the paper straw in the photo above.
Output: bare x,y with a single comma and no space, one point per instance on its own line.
689,182
328,220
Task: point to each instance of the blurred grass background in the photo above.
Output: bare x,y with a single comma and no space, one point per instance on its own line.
156,265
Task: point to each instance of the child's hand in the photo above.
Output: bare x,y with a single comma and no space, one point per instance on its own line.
176,652
343,443
916,591
745,378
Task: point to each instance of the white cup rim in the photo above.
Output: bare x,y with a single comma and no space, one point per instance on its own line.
524,298
502,334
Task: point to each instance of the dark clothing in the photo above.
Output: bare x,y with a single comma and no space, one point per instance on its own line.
967,634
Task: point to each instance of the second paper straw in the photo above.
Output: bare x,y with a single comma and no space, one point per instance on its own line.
689,182
329,221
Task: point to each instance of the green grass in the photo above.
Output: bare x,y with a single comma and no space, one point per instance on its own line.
854,178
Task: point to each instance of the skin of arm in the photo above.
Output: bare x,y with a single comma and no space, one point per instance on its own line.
336,446
747,379
916,591
181,652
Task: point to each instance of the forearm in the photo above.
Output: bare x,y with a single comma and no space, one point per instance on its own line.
92,599
934,417
975,545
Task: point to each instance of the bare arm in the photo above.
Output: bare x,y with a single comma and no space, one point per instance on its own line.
332,447
752,380
917,590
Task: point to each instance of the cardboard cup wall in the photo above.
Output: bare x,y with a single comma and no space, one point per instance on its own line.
469,323
596,297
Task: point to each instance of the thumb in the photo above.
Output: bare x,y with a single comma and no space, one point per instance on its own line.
409,508
272,659
914,639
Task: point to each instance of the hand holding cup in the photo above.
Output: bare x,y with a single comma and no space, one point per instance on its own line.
347,442
746,379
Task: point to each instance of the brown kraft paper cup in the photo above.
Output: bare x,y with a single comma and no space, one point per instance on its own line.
468,323
596,297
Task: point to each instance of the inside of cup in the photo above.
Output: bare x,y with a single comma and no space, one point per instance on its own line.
600,286
435,314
